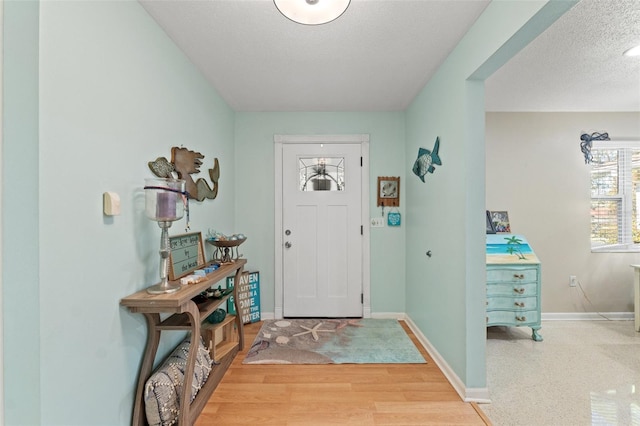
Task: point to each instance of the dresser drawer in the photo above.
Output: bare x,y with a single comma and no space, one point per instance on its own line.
512,275
507,289
513,318
514,304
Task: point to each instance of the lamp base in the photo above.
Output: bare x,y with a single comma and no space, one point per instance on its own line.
163,288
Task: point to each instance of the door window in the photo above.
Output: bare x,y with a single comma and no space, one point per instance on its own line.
321,173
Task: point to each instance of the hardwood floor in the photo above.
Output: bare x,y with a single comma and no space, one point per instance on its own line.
345,394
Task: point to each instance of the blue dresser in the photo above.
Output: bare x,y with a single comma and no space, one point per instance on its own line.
513,283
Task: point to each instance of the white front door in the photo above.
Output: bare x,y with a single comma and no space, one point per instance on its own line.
322,230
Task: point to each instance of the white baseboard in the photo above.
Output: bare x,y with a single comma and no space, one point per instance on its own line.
551,316
479,395
366,313
587,316
278,315
400,316
269,316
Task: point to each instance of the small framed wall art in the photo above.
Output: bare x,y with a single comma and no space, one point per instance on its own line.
186,255
388,191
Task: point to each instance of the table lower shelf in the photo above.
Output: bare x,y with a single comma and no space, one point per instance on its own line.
220,338
216,375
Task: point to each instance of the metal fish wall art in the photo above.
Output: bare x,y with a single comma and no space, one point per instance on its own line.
427,160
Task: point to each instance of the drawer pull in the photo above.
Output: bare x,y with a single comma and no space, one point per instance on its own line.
519,304
521,318
518,276
519,290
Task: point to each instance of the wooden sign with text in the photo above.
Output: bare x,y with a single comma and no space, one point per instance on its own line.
248,297
187,254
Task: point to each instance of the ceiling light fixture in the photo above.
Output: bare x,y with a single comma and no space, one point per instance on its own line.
312,12
634,51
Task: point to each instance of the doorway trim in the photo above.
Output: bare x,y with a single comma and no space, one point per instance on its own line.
363,140
2,366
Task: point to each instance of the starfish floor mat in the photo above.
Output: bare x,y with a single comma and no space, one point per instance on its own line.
333,341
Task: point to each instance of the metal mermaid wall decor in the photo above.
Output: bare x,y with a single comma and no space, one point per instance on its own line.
184,163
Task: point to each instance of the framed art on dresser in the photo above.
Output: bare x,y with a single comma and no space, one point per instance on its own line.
500,221
490,228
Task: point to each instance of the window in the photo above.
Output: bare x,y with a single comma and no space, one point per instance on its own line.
615,183
321,174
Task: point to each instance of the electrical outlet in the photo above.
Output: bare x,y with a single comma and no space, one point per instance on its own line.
573,281
377,222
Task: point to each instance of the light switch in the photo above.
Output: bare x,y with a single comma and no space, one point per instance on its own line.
111,203
377,222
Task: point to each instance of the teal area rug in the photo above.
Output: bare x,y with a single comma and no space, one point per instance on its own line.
333,341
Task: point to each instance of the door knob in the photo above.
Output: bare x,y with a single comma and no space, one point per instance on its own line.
287,244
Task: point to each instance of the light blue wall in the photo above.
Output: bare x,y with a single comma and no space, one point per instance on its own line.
115,93
446,292
255,209
20,297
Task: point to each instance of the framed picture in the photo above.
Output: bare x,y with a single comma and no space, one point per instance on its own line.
500,221
388,191
186,254
490,228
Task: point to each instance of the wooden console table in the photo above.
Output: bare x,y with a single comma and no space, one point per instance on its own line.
186,315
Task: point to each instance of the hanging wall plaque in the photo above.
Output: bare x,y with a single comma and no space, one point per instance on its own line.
388,191
393,218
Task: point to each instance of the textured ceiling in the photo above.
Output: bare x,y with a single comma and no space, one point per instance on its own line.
375,57
380,53
576,64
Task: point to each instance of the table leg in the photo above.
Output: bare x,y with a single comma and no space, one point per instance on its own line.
239,321
153,338
535,335
185,399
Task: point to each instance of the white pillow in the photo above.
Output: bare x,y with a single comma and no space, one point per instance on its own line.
163,389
